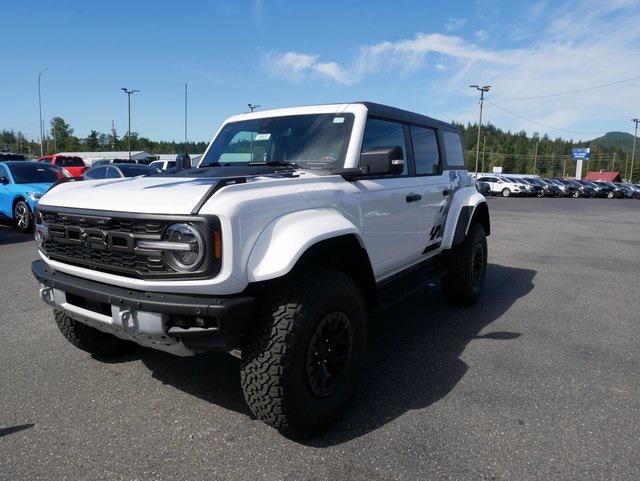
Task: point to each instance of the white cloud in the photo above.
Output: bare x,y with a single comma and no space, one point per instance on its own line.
605,48
455,24
481,35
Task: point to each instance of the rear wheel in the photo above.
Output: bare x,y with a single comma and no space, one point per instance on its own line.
464,281
304,353
22,216
97,343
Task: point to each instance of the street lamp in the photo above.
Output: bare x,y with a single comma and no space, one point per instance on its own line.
633,151
40,109
129,92
482,90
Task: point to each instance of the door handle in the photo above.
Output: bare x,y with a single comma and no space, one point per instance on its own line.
413,197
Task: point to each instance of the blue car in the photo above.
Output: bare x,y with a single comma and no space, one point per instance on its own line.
21,185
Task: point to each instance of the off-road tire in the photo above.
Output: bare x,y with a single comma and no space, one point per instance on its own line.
22,217
463,283
97,343
275,375
506,192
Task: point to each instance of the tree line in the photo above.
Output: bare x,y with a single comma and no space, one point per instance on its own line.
60,138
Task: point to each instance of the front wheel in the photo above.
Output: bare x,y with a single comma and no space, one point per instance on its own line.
506,192
610,195
304,352
464,281
22,216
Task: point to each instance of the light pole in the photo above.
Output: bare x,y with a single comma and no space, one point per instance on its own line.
633,150
40,109
129,92
252,107
482,91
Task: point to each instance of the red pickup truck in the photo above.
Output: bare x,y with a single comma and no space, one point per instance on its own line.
74,165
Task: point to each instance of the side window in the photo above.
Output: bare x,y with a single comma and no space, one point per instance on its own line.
453,149
97,173
383,133
425,150
112,173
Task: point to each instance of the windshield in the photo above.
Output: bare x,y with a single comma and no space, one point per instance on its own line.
314,141
34,173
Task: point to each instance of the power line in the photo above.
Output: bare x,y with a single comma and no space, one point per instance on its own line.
545,125
569,92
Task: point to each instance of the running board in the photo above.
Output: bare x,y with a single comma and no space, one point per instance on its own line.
403,285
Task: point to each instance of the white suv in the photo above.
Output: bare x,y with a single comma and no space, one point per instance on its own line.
503,186
295,225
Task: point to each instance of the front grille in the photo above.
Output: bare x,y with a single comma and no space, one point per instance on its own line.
108,243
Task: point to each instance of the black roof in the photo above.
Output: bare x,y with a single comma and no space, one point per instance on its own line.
400,115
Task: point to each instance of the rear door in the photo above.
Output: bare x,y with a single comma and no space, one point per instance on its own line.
435,185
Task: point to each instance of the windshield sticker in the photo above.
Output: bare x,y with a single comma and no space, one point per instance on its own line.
262,137
338,120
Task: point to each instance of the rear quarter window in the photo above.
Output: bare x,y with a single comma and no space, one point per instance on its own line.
453,149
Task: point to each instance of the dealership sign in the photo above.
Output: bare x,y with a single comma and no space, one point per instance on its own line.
581,153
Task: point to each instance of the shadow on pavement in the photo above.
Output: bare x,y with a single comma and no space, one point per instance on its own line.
413,357
8,235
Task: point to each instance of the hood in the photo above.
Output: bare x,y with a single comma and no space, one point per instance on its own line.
152,195
39,188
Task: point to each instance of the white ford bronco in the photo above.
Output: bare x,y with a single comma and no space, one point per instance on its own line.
296,224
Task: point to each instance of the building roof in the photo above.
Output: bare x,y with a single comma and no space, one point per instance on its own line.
603,176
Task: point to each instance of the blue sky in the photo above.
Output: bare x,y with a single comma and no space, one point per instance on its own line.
412,54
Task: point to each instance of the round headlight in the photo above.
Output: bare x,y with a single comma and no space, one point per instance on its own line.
189,247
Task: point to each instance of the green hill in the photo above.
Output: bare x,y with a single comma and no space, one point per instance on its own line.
615,140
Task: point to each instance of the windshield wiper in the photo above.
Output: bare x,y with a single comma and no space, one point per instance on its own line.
275,163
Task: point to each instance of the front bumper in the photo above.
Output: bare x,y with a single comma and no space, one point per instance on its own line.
168,322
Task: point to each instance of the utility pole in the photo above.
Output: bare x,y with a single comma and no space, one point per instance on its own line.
186,150
40,109
564,168
113,135
129,92
482,90
484,142
633,151
252,107
535,157
613,163
626,164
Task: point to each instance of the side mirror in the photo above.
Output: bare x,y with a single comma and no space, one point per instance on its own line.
4,180
383,160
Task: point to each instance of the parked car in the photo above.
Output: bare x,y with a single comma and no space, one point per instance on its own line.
483,187
163,164
74,165
582,190
503,186
548,189
599,189
279,253
21,186
5,156
115,171
566,190
532,188
634,190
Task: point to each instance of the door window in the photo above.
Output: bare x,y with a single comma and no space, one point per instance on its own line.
383,133
112,173
97,173
425,150
453,149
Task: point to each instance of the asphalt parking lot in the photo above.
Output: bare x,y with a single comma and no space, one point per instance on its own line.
539,380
